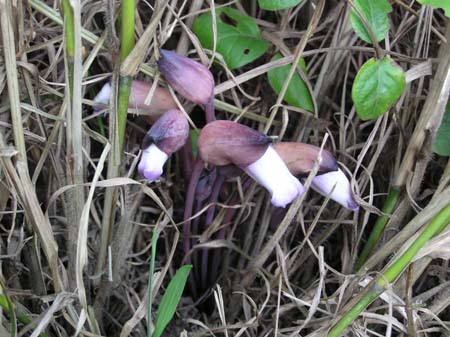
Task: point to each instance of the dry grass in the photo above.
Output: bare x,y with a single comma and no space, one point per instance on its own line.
283,272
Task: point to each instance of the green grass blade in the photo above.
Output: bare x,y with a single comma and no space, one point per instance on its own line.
170,299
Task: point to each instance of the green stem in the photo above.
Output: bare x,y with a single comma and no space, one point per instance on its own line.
69,36
122,107
378,229
68,28
437,225
354,312
126,46
127,31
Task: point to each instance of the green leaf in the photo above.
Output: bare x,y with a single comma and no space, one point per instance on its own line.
375,12
378,84
444,4
238,36
297,93
170,299
441,144
275,5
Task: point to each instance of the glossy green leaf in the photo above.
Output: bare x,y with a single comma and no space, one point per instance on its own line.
275,5
441,144
238,37
378,84
297,93
444,4
171,299
375,12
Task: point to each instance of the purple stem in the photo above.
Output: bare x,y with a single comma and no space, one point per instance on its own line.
190,196
222,232
209,111
186,159
209,219
195,231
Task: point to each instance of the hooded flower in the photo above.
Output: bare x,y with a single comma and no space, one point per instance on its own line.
161,100
190,79
300,158
224,142
165,137
341,193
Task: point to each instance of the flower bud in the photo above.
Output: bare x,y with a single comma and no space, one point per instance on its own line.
300,158
223,143
341,193
190,79
165,137
161,100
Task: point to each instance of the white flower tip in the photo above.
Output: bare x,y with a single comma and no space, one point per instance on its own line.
352,205
341,193
286,194
272,173
152,162
103,96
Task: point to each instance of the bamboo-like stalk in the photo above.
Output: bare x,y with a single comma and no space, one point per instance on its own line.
115,159
126,46
75,167
69,39
437,225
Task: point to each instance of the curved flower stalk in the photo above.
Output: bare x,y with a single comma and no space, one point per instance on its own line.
189,78
165,137
161,101
337,186
224,142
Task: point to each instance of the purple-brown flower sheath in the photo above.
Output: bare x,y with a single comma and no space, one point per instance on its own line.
165,137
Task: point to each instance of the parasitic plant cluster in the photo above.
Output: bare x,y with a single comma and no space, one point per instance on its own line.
225,147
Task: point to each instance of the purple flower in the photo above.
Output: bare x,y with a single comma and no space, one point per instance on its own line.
300,158
165,137
161,100
190,79
271,172
224,143
341,193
